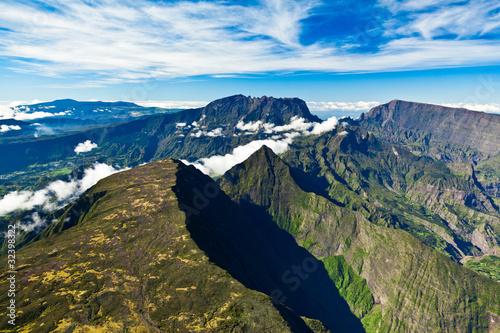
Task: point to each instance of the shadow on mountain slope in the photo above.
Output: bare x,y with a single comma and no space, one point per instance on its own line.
259,254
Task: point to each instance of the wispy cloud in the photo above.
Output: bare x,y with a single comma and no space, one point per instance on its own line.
430,19
342,106
173,104
220,164
490,108
396,6
133,41
32,222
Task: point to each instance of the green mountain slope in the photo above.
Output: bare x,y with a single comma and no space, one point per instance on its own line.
162,248
413,287
391,186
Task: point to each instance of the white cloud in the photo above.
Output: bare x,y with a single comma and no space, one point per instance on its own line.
20,111
35,223
84,147
10,110
5,111
196,124
212,133
342,106
326,126
56,193
173,104
220,164
215,132
342,133
490,108
62,190
197,134
298,126
33,115
180,124
395,151
66,113
23,200
6,128
251,126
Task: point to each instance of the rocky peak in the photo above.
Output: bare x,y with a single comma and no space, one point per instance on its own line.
267,109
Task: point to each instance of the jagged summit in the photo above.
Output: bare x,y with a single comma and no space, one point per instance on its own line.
267,109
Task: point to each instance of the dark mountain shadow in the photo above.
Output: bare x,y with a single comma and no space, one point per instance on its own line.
314,183
255,251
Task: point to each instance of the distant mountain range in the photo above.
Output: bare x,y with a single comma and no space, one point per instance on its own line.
100,112
60,117
384,224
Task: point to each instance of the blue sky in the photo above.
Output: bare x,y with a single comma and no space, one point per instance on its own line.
437,51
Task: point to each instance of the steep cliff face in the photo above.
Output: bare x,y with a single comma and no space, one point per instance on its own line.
391,186
409,286
451,135
260,255
463,127
278,111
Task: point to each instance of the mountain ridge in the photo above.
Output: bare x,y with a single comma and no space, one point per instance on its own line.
445,124
269,109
